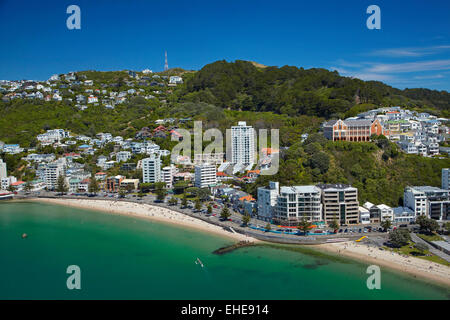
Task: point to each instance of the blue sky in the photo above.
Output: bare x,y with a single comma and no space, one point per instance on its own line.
412,49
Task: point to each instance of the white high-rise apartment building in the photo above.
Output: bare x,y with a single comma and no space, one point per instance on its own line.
205,175
431,202
52,172
151,169
298,202
445,178
3,173
167,174
242,144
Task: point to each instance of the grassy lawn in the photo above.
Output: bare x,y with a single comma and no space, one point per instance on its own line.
406,250
433,237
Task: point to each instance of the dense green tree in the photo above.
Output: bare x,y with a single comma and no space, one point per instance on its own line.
304,225
197,205
427,224
93,185
399,237
61,184
245,219
225,214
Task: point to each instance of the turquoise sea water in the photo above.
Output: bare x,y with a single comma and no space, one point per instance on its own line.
123,257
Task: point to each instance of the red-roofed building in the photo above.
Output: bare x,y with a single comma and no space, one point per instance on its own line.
247,198
253,174
18,185
159,128
72,155
100,176
176,134
269,151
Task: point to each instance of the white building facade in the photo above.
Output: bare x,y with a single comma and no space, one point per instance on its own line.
151,169
243,144
205,175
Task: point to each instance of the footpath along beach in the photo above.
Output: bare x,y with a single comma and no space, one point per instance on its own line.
417,267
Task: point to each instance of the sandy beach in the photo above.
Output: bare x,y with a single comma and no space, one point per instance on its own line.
147,211
416,267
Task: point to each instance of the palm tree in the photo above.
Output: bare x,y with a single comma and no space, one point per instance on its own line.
386,224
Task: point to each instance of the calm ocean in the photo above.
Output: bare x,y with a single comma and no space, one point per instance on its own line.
123,257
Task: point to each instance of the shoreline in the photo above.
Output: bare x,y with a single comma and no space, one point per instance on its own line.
418,268
146,211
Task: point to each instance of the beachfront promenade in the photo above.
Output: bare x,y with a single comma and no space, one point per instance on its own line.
230,226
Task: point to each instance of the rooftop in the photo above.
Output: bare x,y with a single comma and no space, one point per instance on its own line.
299,189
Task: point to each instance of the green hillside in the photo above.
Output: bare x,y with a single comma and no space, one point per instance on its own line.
290,90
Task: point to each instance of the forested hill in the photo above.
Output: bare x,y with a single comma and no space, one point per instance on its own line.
294,91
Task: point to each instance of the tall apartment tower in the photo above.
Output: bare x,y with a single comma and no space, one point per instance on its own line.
52,173
340,202
205,175
151,169
3,173
243,144
445,178
166,64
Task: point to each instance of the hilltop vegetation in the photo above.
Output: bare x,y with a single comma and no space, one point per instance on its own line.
293,91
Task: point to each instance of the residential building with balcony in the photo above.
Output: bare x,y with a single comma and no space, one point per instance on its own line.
340,202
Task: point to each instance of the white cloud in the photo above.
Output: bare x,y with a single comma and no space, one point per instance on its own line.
410,52
420,66
432,76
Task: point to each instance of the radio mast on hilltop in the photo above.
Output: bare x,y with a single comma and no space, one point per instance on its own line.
166,65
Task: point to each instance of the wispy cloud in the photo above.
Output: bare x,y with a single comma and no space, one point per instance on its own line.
425,66
419,66
410,52
432,76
